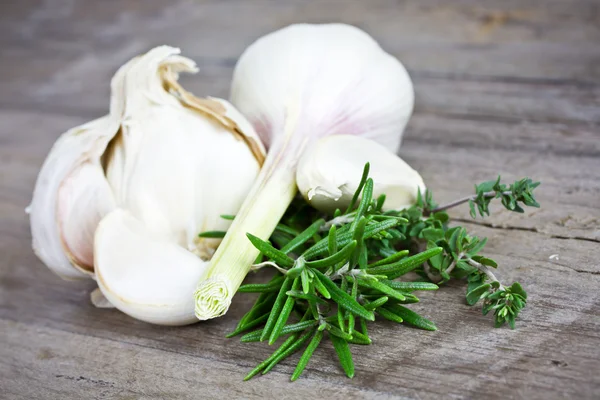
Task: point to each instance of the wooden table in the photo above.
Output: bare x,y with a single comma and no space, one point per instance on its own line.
510,87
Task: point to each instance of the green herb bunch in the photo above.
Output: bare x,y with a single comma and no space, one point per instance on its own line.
334,277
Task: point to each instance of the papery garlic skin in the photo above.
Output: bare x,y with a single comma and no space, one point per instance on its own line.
123,198
329,173
297,85
75,156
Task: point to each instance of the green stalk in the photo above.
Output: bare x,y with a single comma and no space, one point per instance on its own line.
260,213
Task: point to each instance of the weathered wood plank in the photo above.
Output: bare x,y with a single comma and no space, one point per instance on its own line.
554,345
59,364
463,42
564,303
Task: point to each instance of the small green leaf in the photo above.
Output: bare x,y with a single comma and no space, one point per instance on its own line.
360,338
277,307
432,234
367,196
248,325
518,289
305,281
333,330
485,261
380,287
380,202
391,259
284,314
389,315
286,229
474,295
478,247
332,240
302,238
404,266
261,287
411,317
344,355
363,179
341,255
291,349
409,285
472,209
276,255
310,349
363,327
284,346
344,299
263,304
306,296
213,234
321,288
376,303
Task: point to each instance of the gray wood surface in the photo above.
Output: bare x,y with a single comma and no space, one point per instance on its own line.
510,87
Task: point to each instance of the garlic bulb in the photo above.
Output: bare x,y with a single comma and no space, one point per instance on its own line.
329,173
297,85
123,198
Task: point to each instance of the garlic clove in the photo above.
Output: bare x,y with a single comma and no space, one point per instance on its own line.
145,275
83,199
329,173
74,158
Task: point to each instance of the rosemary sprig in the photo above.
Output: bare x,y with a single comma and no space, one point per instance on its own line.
340,282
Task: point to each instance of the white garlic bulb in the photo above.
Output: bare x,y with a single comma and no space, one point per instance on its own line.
297,85
308,81
124,197
329,173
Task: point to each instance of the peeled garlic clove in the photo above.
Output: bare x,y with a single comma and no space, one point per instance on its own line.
70,197
143,274
329,173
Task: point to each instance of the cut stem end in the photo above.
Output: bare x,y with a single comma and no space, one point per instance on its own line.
213,298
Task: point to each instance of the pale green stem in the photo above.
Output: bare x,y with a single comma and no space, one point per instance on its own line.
268,200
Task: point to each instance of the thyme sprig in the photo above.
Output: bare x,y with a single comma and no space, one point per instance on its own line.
334,277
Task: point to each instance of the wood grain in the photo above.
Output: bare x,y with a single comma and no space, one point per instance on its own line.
510,87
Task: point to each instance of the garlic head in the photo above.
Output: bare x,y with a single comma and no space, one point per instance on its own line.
317,80
123,198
